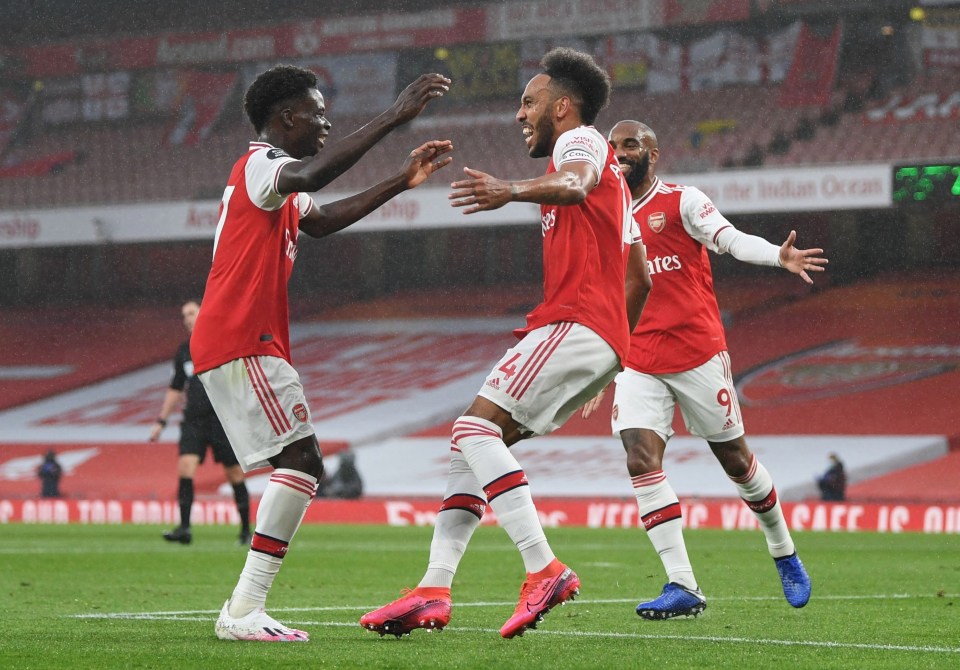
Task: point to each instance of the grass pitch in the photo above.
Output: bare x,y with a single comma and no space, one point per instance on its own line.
120,597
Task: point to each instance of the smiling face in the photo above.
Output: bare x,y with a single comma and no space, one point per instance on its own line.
309,127
536,116
636,150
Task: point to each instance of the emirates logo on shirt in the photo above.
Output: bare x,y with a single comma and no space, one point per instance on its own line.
657,221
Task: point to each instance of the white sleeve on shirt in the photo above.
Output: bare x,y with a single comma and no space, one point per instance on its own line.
581,144
633,234
304,203
262,171
704,223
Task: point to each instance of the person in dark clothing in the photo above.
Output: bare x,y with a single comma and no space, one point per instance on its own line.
780,144
345,482
200,429
805,130
833,483
49,473
754,156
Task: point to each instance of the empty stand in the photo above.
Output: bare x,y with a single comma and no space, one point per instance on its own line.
932,482
130,162
48,351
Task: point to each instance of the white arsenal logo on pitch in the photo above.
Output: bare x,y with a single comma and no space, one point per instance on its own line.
657,221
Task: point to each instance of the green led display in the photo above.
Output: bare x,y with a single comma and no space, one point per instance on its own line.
920,183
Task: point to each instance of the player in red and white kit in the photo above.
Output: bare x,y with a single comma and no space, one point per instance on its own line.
574,343
241,345
678,356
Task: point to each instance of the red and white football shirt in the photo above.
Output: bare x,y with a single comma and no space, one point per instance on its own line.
244,311
585,246
680,326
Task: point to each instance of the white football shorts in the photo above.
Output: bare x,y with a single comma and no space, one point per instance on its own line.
260,402
706,396
550,374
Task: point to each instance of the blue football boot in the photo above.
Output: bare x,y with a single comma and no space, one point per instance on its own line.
795,580
674,601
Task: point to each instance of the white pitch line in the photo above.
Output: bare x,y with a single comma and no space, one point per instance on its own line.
630,636
207,615
505,603
688,638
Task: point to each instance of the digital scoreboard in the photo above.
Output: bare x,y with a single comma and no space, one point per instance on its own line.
932,183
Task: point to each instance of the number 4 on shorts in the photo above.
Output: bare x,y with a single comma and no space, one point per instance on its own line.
509,368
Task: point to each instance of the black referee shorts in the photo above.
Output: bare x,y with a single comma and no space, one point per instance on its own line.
198,433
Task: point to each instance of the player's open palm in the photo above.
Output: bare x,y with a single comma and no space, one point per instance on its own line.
425,160
415,96
480,192
801,261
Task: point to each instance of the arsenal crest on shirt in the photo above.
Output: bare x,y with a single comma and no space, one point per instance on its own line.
300,411
657,221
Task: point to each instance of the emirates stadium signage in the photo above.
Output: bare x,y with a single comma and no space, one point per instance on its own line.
554,513
809,189
291,40
735,192
496,22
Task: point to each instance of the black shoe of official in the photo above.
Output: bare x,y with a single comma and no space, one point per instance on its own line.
245,537
178,534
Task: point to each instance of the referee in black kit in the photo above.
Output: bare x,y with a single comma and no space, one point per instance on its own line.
200,428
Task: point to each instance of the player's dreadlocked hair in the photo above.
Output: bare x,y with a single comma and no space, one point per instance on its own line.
579,76
274,89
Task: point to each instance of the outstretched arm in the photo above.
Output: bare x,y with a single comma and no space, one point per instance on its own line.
312,174
419,165
756,250
569,185
707,225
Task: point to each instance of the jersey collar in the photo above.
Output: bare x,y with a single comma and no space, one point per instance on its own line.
646,197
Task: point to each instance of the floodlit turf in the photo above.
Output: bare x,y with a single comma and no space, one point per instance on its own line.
120,597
